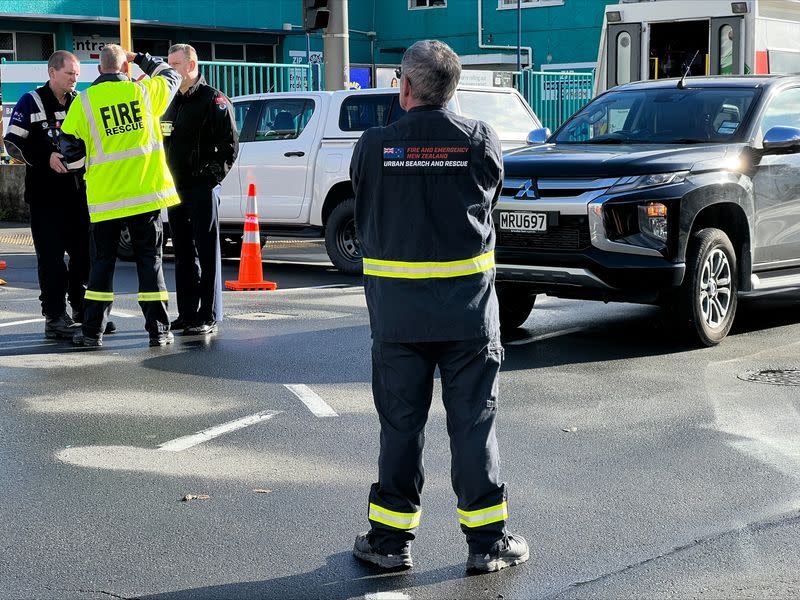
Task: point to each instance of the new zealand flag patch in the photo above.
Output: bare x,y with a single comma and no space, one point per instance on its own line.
394,153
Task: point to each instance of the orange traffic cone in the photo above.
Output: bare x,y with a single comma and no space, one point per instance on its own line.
250,274
2,266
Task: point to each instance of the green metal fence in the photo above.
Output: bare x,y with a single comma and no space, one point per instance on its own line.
555,96
238,79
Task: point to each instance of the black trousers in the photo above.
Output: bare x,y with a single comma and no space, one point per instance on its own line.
402,385
147,236
60,224
194,225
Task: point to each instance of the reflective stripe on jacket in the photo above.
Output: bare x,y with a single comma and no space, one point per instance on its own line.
126,169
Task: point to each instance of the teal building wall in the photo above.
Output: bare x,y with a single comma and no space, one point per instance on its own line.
560,31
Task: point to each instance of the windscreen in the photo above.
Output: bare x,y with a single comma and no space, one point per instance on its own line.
504,112
661,116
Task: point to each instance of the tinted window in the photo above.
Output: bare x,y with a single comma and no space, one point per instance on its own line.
283,119
359,113
240,110
782,111
504,112
661,116
396,112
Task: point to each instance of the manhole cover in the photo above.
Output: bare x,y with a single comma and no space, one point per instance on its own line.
773,376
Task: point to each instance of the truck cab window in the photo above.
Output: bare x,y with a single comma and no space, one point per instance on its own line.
361,112
283,119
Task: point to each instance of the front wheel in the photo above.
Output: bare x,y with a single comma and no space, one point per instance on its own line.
516,304
708,299
341,242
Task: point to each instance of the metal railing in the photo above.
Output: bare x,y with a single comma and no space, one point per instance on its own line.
239,79
555,96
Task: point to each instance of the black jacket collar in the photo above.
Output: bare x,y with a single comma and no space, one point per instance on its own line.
427,108
110,77
195,86
49,98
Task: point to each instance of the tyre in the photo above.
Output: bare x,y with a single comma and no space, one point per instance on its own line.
516,304
125,248
341,242
708,299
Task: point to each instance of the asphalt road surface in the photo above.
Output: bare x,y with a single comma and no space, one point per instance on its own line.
637,468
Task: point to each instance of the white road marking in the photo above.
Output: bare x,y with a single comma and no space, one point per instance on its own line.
545,336
25,322
313,402
332,286
187,441
123,314
387,596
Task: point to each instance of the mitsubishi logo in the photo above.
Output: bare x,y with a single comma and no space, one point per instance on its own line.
527,191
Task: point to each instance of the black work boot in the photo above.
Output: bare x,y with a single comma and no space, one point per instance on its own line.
364,551
79,339
179,324
510,551
61,327
111,327
162,339
205,328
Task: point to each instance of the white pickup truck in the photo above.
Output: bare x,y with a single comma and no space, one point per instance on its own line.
296,148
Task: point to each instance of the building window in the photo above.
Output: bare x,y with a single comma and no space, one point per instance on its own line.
152,47
26,46
415,4
224,52
509,4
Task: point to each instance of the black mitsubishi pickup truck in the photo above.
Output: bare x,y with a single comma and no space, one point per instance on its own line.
679,193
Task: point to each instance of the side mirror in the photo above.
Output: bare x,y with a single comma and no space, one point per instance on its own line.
781,139
539,136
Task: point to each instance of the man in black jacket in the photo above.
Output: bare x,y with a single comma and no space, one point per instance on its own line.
57,198
201,142
425,187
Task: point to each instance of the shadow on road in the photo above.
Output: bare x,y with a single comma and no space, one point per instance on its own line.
342,578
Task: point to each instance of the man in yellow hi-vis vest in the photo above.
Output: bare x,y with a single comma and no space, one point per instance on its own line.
113,128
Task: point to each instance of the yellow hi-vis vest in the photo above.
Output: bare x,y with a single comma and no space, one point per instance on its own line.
126,168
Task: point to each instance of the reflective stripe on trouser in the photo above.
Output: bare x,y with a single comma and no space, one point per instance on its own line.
427,270
146,237
162,296
99,296
398,520
484,516
402,385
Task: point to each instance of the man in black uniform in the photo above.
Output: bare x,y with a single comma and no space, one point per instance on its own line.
57,198
201,142
425,187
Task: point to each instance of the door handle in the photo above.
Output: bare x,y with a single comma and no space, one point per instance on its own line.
297,153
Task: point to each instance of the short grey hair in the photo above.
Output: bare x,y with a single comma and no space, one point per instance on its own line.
433,70
112,57
189,53
59,58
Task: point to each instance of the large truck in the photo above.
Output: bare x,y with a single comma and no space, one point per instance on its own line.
659,39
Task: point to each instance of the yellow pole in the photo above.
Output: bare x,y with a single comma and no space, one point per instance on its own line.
125,25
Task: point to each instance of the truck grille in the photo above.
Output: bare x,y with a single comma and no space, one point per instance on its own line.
572,233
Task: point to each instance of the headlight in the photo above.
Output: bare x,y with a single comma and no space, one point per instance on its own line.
636,182
653,220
